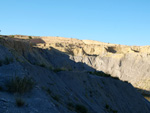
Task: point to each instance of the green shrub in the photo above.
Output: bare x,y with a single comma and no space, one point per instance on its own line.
114,111
57,70
20,85
49,91
61,69
107,106
42,65
109,109
30,37
20,102
81,109
56,97
7,60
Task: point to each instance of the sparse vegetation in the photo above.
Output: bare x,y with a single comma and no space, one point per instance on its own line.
42,65
76,98
109,109
6,61
30,37
107,106
20,102
20,85
58,70
50,67
12,36
100,73
49,91
62,69
80,108
114,111
56,97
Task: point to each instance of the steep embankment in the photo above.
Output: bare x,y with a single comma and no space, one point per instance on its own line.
61,84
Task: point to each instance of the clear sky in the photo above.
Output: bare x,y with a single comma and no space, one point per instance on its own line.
115,21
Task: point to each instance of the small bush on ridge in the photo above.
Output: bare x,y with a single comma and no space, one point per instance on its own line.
20,85
30,37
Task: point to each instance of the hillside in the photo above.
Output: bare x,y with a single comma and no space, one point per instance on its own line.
71,76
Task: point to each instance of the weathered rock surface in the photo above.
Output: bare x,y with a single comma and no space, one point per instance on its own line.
60,71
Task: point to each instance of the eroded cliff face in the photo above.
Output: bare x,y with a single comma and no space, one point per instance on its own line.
60,68
129,63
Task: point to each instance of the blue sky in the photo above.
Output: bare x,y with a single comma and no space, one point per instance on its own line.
115,21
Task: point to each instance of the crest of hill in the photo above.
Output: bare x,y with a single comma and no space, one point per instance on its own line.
96,42
61,40
82,47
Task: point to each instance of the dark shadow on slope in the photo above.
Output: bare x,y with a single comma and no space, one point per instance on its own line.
58,60
145,93
111,49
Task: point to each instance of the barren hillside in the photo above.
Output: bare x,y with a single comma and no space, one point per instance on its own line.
65,75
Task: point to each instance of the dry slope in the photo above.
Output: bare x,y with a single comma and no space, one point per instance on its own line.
63,85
